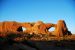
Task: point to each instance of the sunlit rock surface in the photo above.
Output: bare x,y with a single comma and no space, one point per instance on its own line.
35,28
35,36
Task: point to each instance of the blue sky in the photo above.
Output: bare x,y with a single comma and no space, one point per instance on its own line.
33,10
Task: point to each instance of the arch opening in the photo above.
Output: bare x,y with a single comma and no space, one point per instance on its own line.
21,29
24,29
51,29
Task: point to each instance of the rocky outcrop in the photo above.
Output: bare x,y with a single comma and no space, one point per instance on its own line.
36,28
9,26
61,28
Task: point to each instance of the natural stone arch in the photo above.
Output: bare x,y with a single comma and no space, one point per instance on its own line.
39,27
49,26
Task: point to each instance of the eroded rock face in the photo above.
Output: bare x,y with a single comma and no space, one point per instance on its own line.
37,28
61,28
8,26
13,26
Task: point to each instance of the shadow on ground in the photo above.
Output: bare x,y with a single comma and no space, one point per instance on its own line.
38,45
8,43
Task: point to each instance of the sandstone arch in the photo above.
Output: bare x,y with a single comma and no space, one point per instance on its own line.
49,26
38,27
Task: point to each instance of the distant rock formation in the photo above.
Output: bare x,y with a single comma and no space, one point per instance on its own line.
35,28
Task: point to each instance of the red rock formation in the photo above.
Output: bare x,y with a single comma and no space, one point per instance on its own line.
42,28
12,26
61,28
37,28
